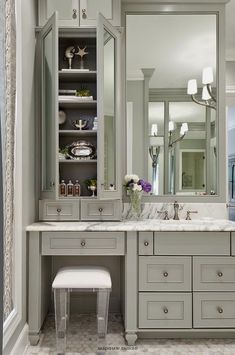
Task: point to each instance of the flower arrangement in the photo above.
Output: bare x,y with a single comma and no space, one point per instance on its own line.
135,188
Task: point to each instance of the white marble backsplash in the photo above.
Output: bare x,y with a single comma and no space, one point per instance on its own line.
150,210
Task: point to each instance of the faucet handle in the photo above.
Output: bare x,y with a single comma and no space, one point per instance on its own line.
188,217
166,217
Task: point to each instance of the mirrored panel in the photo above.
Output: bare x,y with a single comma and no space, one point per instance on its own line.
171,102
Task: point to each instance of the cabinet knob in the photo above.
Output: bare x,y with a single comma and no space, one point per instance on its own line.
58,210
74,16
83,243
146,243
219,273
84,15
165,274
220,310
165,310
100,209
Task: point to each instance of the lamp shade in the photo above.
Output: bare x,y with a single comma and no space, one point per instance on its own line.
171,126
184,128
205,94
154,129
207,75
192,87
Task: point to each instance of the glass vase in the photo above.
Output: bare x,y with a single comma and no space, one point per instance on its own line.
135,198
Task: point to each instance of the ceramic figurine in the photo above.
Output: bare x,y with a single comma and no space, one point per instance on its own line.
69,55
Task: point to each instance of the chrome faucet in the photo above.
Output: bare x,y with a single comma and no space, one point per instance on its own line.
176,211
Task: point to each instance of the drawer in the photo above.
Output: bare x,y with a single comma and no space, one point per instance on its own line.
165,310
145,243
58,210
161,273
233,243
192,243
83,243
214,310
214,273
100,210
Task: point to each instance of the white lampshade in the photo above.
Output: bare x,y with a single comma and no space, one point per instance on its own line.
207,75
184,128
192,87
205,94
171,126
154,129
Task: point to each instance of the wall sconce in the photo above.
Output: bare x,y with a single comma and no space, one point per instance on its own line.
208,99
183,131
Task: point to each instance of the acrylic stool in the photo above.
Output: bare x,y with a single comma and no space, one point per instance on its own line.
82,279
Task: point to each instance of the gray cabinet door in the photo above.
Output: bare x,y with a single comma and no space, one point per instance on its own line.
48,78
162,273
165,310
89,9
68,12
214,273
109,110
145,243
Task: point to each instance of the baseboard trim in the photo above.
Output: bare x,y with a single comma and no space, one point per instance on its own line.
22,342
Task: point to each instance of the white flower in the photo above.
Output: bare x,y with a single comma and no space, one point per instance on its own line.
137,187
133,177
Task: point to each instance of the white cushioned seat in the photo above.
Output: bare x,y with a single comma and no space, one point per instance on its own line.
83,277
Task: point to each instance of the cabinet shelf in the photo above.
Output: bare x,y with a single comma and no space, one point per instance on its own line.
89,76
76,103
70,161
77,132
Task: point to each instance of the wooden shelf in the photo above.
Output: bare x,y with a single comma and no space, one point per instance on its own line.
71,161
77,132
89,76
76,103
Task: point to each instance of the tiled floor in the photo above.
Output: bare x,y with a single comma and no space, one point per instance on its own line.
82,339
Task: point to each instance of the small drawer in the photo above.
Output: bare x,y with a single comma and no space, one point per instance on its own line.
165,310
145,243
192,243
83,243
214,273
100,210
214,310
162,273
58,210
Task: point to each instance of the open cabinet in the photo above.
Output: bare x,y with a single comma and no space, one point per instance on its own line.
79,122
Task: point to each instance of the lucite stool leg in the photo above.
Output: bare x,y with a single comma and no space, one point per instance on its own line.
102,311
61,318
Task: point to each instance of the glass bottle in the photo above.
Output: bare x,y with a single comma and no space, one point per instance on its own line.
62,190
77,189
70,188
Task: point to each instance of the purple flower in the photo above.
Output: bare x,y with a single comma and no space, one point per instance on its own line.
146,186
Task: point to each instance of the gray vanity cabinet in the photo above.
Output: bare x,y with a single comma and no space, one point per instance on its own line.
75,13
99,73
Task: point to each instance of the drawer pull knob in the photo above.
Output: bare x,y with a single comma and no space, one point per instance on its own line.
58,210
220,274
100,209
220,310
165,310
83,243
146,243
165,274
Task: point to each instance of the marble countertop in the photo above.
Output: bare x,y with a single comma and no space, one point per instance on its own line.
204,224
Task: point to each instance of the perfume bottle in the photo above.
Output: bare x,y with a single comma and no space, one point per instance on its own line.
62,188
70,188
77,189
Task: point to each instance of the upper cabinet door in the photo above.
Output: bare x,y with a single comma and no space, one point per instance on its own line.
68,12
48,42
109,110
89,10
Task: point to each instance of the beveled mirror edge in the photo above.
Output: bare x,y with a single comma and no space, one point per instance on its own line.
217,8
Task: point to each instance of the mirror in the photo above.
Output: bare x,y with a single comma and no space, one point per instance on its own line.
171,102
109,112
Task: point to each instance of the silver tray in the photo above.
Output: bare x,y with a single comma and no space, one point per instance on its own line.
81,150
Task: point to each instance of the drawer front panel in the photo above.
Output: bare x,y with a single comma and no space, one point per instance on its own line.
160,273
145,243
192,243
100,210
214,310
165,310
83,243
214,274
58,210
233,242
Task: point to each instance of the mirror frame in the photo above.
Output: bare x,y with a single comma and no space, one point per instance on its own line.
178,7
